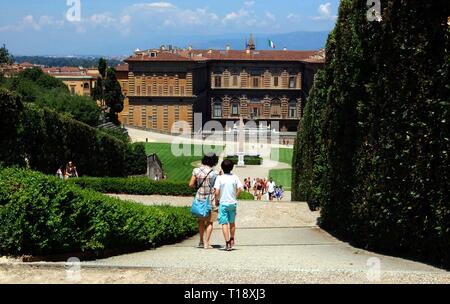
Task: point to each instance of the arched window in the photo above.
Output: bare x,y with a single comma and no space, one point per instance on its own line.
275,108
292,108
292,81
217,108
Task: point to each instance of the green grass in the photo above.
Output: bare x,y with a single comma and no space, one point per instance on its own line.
177,168
285,155
282,177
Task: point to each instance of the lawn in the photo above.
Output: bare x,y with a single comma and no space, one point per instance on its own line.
282,177
177,168
285,155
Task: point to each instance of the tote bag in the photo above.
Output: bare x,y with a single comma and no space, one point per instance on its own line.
201,208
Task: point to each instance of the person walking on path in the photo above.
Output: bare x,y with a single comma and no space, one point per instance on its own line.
71,170
203,179
228,187
271,189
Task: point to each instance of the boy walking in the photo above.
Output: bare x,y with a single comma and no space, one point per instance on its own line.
227,187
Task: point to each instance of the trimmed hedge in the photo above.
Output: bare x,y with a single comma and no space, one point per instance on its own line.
135,186
249,160
245,196
140,186
49,140
373,148
42,215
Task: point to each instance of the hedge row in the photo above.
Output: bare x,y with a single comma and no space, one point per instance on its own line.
135,186
42,215
249,160
140,186
373,147
47,140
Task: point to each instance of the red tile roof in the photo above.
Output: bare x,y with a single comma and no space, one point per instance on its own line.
122,67
232,55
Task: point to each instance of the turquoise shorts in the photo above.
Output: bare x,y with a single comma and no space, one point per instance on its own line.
227,214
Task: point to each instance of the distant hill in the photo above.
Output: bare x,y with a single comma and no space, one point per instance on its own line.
292,41
86,62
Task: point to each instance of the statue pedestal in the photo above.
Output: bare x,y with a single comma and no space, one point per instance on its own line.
241,161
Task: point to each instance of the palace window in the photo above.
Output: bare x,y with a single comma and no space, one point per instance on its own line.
254,113
292,109
275,108
218,81
256,82
292,82
275,81
235,108
217,110
235,81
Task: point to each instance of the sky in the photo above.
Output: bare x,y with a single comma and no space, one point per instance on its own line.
111,27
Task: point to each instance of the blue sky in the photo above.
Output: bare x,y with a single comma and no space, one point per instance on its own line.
107,27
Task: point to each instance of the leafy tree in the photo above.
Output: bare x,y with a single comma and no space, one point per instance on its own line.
108,92
102,67
5,56
113,95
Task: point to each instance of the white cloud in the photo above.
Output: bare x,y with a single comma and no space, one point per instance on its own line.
293,17
271,16
249,3
29,22
154,5
324,11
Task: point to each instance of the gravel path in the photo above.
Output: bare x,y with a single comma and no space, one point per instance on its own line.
275,243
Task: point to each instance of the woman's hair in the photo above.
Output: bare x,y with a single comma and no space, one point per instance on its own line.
210,160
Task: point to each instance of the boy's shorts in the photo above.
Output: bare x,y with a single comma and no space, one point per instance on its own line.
227,214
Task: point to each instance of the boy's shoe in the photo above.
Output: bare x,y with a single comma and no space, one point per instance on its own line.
228,246
232,242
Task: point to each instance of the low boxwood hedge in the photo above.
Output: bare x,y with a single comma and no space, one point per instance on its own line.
42,215
139,186
249,160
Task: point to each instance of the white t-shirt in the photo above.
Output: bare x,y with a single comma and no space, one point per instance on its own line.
228,184
271,187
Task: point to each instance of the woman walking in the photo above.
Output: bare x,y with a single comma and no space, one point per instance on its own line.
203,179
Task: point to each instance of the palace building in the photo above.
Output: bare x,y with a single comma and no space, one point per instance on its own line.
167,85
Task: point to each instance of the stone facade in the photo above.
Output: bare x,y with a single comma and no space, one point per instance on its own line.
166,86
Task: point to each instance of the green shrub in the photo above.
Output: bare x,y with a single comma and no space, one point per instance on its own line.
373,147
136,186
136,159
43,215
249,160
49,140
246,196
140,186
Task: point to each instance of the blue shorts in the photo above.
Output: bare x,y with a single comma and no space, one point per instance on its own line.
227,214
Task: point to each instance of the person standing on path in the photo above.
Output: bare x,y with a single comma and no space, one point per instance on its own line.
203,179
271,189
228,187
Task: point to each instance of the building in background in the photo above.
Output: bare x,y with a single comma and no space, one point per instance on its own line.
166,85
80,81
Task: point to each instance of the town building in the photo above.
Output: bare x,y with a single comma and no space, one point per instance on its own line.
79,81
163,86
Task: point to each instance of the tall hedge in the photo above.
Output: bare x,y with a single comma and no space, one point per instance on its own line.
49,140
373,148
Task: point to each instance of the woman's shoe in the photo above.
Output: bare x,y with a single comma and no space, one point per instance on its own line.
201,245
208,246
232,242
